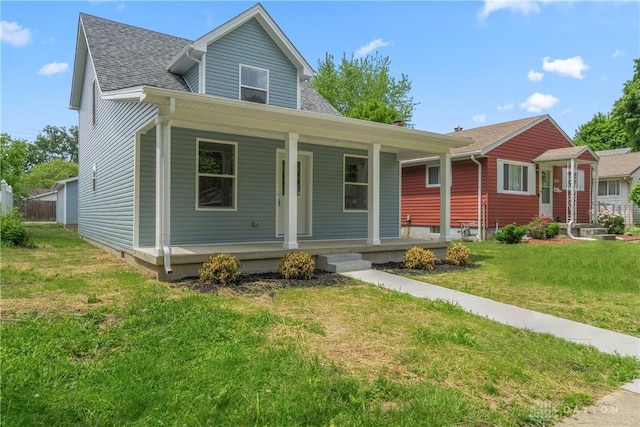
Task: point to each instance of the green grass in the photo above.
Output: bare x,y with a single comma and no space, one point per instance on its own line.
590,282
131,351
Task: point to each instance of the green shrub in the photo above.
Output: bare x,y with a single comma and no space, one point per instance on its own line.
419,259
220,269
511,234
297,265
13,232
542,227
458,254
634,196
614,223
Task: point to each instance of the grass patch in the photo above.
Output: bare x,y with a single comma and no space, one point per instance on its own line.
590,282
115,348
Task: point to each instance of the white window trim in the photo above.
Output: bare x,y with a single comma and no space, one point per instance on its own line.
426,178
531,175
234,176
565,173
240,85
344,183
607,181
94,178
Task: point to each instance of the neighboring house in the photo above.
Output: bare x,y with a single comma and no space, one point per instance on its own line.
188,148
618,173
511,172
67,201
43,195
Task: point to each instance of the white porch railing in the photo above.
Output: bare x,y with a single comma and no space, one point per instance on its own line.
624,209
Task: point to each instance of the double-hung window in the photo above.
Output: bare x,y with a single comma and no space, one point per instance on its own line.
433,176
609,187
516,177
216,174
254,84
356,184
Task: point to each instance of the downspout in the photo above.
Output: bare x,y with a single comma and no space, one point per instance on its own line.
164,190
200,72
473,159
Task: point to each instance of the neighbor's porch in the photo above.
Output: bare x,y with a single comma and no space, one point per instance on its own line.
186,260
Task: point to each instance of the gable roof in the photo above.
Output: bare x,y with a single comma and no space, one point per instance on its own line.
181,62
613,151
125,57
561,155
59,184
619,165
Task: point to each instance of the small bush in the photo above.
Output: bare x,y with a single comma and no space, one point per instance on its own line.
634,196
297,265
13,232
458,254
542,227
511,234
614,223
220,269
419,259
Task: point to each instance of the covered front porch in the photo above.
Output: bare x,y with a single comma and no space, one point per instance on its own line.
186,260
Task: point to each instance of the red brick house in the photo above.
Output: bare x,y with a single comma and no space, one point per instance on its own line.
511,172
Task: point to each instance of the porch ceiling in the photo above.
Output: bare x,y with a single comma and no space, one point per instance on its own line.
246,118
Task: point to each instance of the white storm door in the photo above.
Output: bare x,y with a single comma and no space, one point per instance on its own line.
546,192
304,193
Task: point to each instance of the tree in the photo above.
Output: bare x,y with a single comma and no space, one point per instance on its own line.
363,88
626,110
601,133
54,143
44,175
634,196
13,157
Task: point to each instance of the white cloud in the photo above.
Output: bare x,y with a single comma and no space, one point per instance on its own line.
370,47
535,76
14,34
617,53
505,107
572,67
538,102
523,6
479,118
54,68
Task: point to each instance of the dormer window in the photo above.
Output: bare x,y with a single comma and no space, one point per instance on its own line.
254,84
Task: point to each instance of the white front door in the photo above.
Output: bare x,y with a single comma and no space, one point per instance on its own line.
304,192
546,192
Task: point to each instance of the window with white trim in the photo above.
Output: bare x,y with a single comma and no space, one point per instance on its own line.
356,185
433,176
609,187
254,84
216,174
516,177
94,178
579,179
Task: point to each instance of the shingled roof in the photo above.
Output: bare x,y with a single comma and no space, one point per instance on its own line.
125,56
619,165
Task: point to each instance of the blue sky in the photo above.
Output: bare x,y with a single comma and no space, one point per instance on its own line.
471,63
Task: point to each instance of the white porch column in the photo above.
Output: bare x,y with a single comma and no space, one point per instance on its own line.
373,195
291,187
445,196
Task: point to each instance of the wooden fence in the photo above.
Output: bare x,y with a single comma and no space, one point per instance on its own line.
38,210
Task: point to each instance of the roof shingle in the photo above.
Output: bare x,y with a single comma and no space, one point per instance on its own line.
619,165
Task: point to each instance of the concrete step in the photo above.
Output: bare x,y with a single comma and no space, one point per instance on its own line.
592,232
340,263
606,237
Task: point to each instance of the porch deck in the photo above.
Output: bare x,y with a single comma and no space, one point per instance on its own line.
263,257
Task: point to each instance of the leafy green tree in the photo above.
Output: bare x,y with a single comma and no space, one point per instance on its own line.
355,86
626,110
54,143
601,133
634,196
12,159
44,175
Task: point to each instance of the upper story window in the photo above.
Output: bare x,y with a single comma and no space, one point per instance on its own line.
516,177
433,176
609,187
355,183
216,174
254,84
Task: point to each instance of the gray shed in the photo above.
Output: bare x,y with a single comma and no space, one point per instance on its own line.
67,201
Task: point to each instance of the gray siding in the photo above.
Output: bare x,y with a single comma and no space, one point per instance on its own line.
106,215
256,193
60,205
72,202
250,45
192,77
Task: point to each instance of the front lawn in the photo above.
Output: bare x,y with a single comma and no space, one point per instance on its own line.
86,340
590,282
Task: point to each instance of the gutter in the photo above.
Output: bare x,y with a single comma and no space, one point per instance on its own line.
473,159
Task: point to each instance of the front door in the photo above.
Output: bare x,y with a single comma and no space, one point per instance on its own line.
546,192
304,193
